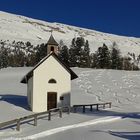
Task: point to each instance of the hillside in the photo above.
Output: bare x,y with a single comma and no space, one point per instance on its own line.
20,28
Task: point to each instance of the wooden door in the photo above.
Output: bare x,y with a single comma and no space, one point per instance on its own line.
51,100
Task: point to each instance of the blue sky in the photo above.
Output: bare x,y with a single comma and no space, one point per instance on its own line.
120,17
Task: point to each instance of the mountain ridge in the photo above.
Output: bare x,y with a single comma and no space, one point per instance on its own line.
21,28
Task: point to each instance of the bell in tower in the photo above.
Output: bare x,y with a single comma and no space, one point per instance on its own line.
52,45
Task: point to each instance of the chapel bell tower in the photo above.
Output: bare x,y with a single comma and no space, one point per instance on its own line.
52,45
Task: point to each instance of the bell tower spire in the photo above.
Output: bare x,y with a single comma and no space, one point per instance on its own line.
52,45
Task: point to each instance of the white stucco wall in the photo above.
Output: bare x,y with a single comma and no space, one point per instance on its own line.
30,92
49,69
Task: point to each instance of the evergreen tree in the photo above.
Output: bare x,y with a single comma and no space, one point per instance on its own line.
126,65
3,58
115,58
73,53
100,58
103,57
106,53
85,53
93,60
79,53
41,52
64,54
79,49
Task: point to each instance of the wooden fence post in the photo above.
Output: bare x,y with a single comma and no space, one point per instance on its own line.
83,108
90,107
97,107
109,105
75,109
49,116
35,120
103,106
68,110
60,113
18,125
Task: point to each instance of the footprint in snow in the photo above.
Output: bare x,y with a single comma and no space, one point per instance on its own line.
103,85
81,75
127,91
81,86
125,80
88,91
133,96
96,79
98,76
115,94
89,87
88,83
130,86
116,84
127,83
78,81
108,90
113,81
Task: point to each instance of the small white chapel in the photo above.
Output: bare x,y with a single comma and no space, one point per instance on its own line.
49,82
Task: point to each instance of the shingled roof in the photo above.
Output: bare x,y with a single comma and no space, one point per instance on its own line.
52,41
30,73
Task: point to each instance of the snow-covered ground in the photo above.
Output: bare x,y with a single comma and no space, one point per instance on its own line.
122,88
20,28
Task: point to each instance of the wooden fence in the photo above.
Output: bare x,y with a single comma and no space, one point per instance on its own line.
98,105
34,117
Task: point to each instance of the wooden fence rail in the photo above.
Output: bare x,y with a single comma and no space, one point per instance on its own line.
34,117
98,105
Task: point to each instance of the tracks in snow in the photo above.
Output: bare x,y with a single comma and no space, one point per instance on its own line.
103,85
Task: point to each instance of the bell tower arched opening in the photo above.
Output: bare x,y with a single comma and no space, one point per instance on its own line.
52,45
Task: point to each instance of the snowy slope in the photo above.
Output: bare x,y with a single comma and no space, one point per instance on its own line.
119,87
121,121
20,28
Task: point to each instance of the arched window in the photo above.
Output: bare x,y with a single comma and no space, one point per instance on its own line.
52,81
52,48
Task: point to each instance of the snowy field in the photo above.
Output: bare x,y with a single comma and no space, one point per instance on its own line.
121,122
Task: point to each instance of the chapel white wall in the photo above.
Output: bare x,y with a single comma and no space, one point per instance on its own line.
30,92
49,69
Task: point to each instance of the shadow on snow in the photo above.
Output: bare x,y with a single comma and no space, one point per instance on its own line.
16,100
103,112
126,135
